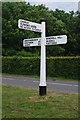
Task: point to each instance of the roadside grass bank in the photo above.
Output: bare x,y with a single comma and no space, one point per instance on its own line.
38,77
18,102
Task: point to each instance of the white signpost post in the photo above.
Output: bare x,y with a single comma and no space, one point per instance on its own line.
43,41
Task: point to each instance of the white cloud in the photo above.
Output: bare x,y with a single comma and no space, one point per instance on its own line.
46,1
67,5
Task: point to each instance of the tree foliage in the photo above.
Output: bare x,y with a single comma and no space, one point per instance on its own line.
58,22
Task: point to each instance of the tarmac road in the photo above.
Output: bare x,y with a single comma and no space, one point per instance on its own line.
28,82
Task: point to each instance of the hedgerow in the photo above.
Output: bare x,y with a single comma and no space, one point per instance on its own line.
56,66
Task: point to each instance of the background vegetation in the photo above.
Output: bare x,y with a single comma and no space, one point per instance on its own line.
58,22
56,66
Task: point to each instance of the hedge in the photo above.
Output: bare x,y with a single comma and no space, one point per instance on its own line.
56,66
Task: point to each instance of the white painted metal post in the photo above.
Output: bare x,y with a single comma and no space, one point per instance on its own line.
42,85
52,40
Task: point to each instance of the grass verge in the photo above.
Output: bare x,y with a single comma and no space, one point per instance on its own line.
48,78
26,103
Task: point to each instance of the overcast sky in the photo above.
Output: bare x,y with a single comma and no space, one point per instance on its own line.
67,5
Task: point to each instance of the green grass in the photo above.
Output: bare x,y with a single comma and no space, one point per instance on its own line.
26,103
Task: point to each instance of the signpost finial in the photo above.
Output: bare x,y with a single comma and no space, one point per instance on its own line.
42,20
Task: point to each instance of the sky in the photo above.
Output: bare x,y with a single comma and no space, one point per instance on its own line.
67,5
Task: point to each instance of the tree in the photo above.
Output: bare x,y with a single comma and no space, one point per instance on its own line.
57,23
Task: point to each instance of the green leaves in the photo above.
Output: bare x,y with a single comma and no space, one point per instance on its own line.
56,66
57,23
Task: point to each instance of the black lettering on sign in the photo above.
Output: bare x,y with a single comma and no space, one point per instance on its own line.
39,42
25,24
52,38
34,27
38,30
21,25
59,37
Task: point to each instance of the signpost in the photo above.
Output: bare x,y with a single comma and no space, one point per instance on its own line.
56,40
43,41
32,42
52,40
27,25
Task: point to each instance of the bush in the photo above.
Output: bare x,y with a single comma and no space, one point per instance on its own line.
20,65
24,53
56,66
63,67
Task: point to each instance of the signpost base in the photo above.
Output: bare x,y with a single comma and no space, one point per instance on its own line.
42,90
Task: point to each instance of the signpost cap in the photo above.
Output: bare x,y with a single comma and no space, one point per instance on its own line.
43,20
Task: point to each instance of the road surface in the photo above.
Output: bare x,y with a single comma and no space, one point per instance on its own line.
28,82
